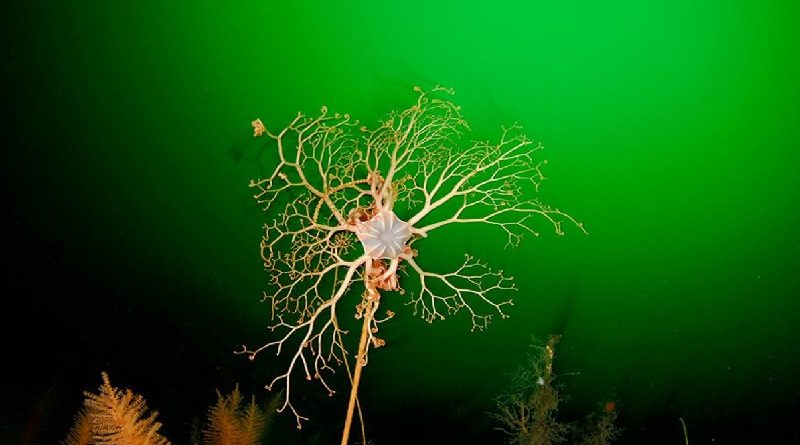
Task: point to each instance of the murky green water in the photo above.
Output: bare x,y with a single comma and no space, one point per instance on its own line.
671,130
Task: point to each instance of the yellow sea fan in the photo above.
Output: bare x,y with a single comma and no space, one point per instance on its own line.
118,418
229,423
252,424
81,432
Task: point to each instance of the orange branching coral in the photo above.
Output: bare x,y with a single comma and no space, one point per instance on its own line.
81,432
118,418
229,423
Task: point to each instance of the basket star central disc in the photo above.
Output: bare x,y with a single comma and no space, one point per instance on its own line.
384,236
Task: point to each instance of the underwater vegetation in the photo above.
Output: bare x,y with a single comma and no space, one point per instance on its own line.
527,413
348,207
232,423
527,410
112,416
116,417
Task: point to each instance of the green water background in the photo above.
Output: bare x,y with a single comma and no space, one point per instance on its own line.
671,130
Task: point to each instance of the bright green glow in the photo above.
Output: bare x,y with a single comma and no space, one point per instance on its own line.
671,131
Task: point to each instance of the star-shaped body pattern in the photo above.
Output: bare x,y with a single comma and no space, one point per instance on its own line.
384,236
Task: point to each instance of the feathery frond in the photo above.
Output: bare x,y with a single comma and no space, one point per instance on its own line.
230,423
118,418
81,432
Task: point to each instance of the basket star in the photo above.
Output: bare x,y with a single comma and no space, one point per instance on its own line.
384,236
333,180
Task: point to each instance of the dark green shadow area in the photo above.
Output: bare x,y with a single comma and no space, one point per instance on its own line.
671,130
